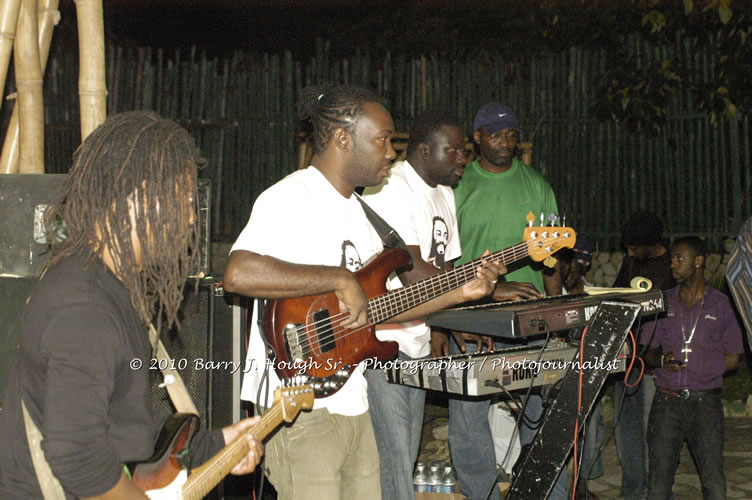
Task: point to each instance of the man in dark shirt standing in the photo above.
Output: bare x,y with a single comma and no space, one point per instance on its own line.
646,256
693,346
81,372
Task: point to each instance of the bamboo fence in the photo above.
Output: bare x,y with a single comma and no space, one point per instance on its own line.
29,84
48,17
695,174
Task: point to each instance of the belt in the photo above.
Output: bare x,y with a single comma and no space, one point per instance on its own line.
686,393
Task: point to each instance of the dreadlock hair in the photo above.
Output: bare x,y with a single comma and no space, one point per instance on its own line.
135,173
425,125
330,107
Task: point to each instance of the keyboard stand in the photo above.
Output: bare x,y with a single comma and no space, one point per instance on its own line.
539,468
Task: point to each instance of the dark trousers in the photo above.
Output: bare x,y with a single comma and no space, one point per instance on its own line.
697,420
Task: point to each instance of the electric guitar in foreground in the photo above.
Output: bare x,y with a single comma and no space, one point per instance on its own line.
164,476
304,332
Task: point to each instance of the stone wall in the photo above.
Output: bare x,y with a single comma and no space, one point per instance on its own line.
606,266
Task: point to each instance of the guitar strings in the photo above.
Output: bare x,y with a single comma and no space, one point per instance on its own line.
208,477
394,297
408,290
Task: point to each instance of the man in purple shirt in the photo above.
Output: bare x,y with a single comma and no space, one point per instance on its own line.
692,347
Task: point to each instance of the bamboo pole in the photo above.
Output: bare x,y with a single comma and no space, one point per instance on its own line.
47,18
29,85
92,88
8,20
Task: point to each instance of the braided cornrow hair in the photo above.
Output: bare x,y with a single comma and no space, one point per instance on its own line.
139,162
329,107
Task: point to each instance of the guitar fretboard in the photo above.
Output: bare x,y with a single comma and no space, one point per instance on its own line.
390,304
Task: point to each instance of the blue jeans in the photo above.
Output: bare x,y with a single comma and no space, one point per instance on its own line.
632,410
591,466
699,421
471,443
397,418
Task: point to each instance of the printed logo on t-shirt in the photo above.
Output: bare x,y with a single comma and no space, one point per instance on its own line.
350,257
710,316
439,242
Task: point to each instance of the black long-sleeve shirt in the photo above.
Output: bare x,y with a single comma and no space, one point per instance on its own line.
73,370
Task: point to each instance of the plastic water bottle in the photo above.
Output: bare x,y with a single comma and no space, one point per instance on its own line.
448,480
434,478
420,478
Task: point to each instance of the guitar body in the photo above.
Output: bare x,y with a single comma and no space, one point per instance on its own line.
304,334
303,331
162,475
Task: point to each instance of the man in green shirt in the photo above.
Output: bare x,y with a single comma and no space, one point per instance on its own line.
494,197
496,193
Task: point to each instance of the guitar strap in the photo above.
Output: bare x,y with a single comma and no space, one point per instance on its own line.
389,237
48,483
172,380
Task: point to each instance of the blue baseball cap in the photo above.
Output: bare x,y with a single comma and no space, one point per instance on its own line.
583,249
494,117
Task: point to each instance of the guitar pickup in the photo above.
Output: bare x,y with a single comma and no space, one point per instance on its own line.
324,330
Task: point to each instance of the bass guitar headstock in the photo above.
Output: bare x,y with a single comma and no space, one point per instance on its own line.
293,399
321,386
543,241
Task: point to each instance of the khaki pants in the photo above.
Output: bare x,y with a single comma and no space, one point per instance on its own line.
324,455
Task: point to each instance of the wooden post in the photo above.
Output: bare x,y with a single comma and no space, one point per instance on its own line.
92,88
48,17
8,20
29,84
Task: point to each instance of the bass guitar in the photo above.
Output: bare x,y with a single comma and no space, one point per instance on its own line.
164,475
304,332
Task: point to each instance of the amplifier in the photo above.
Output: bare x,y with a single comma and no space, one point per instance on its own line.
208,351
23,241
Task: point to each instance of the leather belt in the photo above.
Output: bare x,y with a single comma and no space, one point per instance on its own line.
686,393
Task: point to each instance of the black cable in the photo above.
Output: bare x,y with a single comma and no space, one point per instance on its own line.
263,383
617,415
499,467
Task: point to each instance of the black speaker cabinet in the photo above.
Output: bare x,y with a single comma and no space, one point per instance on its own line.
209,354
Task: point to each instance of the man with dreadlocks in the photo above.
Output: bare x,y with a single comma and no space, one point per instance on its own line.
293,246
128,205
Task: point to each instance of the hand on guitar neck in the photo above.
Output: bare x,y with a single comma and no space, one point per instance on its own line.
255,447
163,475
307,335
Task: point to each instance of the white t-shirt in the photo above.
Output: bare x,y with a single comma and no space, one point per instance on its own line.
303,219
424,216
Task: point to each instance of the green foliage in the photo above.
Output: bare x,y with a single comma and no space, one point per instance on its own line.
636,96
728,95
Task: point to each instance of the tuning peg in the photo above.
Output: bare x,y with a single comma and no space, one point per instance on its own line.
541,219
530,218
552,218
564,220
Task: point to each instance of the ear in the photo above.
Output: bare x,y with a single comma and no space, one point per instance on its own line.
476,136
699,261
342,139
424,150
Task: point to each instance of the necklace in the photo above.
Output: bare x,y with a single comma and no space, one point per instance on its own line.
687,341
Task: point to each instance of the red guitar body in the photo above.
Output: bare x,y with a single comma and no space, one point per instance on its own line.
163,468
303,331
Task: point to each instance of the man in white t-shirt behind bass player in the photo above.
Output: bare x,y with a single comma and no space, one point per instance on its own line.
293,247
418,202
